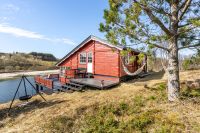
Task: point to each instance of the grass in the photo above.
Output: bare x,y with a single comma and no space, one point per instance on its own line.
190,93
130,107
60,124
135,115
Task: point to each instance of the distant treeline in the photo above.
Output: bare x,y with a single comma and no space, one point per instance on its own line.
189,62
44,56
10,62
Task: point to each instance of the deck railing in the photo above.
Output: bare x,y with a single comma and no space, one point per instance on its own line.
44,81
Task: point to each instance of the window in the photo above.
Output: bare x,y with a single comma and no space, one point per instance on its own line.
62,71
82,58
89,57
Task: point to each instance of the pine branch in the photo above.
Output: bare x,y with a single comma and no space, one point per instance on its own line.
187,30
154,18
155,45
140,40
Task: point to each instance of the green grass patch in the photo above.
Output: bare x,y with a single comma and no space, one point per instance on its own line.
190,93
159,93
120,117
60,124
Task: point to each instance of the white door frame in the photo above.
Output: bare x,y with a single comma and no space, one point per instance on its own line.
90,62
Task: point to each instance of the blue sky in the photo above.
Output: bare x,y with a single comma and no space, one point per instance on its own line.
52,26
49,26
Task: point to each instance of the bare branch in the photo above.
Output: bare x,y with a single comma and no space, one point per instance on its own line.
187,24
182,5
190,46
155,45
184,9
193,38
161,11
161,47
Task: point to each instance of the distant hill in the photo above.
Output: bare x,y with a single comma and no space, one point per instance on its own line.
10,62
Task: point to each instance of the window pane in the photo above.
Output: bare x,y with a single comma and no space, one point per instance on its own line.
83,58
89,57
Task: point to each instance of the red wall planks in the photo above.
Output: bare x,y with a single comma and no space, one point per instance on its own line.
106,60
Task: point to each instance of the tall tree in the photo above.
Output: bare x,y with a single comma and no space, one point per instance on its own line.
151,22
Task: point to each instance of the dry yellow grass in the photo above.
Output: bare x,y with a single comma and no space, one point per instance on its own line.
37,114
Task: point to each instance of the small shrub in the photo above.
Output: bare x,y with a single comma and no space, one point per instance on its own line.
142,120
123,106
158,87
121,109
152,98
17,68
138,101
60,124
186,64
190,93
162,86
9,69
101,124
195,93
164,129
136,105
159,90
169,122
106,109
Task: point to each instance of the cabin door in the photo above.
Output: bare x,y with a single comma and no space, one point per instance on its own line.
89,62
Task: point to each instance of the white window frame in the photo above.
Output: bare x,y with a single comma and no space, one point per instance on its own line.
89,57
81,60
62,71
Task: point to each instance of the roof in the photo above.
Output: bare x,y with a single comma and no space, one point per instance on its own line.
91,37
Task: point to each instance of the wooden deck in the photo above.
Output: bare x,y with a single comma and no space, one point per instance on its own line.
97,83
57,84
73,84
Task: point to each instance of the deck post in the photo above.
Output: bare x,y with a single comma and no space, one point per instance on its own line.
41,88
37,88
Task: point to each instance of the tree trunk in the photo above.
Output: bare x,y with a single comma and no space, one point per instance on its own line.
173,72
173,67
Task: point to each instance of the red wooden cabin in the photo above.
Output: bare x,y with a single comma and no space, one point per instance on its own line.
98,58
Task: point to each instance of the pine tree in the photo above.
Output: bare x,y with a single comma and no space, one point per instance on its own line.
148,23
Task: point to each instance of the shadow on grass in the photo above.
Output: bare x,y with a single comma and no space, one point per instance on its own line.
133,79
151,76
33,105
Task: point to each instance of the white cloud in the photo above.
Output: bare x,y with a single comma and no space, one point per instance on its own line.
68,41
4,18
11,8
18,32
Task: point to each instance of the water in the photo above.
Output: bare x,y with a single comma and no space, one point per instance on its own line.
9,87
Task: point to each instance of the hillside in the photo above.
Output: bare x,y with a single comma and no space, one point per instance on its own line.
10,62
138,105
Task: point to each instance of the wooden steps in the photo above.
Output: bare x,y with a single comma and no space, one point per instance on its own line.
72,86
